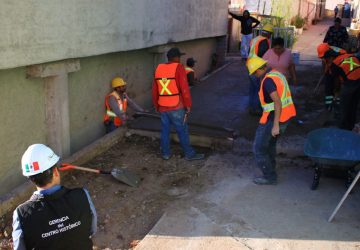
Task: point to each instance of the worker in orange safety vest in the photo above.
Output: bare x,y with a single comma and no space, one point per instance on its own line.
345,70
190,72
278,109
116,104
172,98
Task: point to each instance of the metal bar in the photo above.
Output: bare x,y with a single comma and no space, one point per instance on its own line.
344,197
152,115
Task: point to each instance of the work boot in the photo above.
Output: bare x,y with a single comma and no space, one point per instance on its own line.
264,181
195,157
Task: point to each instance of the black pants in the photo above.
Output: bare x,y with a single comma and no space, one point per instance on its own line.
350,97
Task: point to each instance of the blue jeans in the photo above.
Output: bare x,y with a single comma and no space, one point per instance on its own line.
175,118
265,149
254,87
110,126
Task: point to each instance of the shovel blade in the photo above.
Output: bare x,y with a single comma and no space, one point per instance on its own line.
126,176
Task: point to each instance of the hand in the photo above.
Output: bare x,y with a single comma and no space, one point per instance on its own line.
188,109
275,131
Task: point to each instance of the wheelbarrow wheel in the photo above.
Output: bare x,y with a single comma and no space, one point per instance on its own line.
317,175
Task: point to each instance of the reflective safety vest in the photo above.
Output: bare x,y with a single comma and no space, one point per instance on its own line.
189,70
254,45
283,90
338,50
110,115
169,94
350,65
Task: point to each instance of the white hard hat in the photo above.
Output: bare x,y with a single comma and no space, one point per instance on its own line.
37,159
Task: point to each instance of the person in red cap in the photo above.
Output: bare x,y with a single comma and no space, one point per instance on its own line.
171,97
344,69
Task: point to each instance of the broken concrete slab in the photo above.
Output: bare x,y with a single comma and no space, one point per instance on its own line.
192,221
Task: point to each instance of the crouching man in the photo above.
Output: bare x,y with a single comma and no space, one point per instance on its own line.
55,217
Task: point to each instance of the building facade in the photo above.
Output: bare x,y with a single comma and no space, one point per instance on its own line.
57,60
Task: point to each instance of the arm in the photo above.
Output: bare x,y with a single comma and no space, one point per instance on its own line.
277,105
181,79
293,73
115,108
93,213
237,17
326,38
263,47
133,104
17,234
155,95
257,22
345,36
191,78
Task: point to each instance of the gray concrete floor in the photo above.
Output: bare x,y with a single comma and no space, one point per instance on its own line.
233,213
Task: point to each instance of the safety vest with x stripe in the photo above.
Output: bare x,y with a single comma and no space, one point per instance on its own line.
167,86
283,90
350,65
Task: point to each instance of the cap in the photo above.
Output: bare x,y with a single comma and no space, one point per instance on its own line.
174,52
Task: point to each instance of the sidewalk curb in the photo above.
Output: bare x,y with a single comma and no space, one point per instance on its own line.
21,193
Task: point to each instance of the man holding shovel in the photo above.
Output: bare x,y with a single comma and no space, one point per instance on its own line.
116,105
55,217
171,97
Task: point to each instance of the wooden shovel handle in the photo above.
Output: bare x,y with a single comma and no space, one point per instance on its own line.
69,166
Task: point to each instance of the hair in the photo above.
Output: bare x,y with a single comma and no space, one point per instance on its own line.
43,178
246,11
190,63
338,20
278,41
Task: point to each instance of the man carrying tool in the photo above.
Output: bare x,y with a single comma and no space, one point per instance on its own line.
171,97
345,70
116,105
258,47
55,217
190,72
278,109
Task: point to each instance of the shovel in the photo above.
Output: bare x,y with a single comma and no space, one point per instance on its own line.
121,174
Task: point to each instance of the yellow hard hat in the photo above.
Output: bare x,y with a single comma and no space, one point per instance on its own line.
117,82
255,63
268,27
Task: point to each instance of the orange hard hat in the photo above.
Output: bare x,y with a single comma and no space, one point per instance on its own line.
322,48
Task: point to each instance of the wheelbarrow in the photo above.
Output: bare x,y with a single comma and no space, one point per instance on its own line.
335,148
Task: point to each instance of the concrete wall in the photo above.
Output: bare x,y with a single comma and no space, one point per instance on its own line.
35,32
22,100
22,115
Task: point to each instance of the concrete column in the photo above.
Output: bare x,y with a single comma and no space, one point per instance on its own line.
55,76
